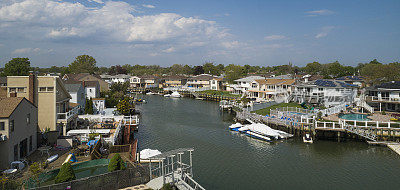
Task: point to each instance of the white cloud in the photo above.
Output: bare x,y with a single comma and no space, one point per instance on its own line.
149,6
97,1
319,12
113,22
230,44
26,50
274,37
169,50
324,31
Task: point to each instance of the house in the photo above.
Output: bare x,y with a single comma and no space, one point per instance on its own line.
77,92
243,84
326,92
200,81
92,89
135,82
149,81
104,86
99,105
356,80
271,88
51,98
18,129
217,84
120,78
174,81
384,97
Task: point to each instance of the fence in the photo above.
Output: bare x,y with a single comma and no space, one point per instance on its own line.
113,180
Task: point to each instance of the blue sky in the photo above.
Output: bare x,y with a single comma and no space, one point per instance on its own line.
166,32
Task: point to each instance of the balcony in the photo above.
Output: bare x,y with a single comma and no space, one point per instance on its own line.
64,117
382,99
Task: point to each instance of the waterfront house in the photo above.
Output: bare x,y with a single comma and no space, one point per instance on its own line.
149,81
77,92
104,86
18,129
271,88
51,98
134,82
201,81
120,78
384,97
325,92
217,84
174,81
92,89
99,105
243,84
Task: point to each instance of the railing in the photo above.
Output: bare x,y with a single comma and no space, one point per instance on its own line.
382,99
131,120
362,103
118,134
67,115
190,182
334,110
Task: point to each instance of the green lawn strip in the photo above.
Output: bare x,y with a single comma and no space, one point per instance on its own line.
219,93
266,111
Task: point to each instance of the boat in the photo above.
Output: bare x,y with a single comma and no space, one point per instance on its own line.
258,136
175,95
167,95
150,93
261,129
235,127
146,154
307,138
243,129
52,158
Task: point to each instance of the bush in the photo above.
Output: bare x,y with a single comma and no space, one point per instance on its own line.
116,163
383,112
65,174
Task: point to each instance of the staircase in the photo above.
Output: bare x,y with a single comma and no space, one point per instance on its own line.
360,132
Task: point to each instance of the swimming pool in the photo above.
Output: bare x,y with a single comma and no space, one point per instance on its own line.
354,116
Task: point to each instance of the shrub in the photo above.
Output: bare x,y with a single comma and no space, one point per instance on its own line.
65,174
116,163
383,112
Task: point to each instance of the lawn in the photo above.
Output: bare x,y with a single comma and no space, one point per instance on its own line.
265,111
220,93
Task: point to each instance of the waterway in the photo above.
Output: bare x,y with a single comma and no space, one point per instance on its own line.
227,160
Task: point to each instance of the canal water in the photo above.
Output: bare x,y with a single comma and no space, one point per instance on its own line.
227,160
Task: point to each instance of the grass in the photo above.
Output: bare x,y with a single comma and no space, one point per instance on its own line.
266,111
219,93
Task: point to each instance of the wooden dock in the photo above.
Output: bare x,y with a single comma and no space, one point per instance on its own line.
395,147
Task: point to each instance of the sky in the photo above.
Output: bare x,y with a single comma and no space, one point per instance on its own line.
167,32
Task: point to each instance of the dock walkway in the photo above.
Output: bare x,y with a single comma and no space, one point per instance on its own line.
395,147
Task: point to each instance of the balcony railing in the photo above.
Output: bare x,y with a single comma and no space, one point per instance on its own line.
382,99
67,115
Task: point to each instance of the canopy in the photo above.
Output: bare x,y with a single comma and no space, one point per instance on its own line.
147,153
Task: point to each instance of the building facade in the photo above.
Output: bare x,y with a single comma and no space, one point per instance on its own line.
384,97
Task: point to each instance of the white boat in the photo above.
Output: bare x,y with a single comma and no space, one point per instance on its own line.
146,154
263,130
150,93
175,95
243,129
307,138
235,127
167,95
258,136
52,158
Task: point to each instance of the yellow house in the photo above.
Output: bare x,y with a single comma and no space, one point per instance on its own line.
51,98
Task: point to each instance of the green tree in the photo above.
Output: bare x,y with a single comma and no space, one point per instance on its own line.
313,68
124,106
89,106
83,64
17,67
65,174
35,170
116,163
233,72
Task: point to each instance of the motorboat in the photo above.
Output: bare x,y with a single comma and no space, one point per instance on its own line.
175,95
150,93
146,154
243,129
258,136
52,158
307,138
235,127
167,95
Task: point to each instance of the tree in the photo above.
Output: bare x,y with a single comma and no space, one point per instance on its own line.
89,106
116,163
65,174
17,67
34,171
198,70
124,106
313,68
83,64
233,72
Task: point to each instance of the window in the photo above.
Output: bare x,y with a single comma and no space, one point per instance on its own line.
90,90
12,89
320,89
28,118
2,128
21,89
42,89
30,143
50,89
11,125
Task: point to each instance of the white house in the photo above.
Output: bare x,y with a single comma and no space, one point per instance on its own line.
326,92
135,82
216,84
77,92
271,89
200,81
92,89
120,78
243,84
99,105
384,97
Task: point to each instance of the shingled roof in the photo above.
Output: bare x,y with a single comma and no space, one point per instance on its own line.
8,105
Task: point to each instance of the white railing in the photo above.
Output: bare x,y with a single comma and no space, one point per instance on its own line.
67,115
382,99
117,134
362,103
131,120
333,110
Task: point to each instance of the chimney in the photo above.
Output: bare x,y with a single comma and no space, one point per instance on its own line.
31,88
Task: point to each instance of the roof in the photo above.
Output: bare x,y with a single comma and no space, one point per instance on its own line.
352,78
288,76
71,81
261,81
91,83
280,81
98,99
389,85
175,77
249,79
73,87
202,77
72,105
333,83
8,105
3,80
